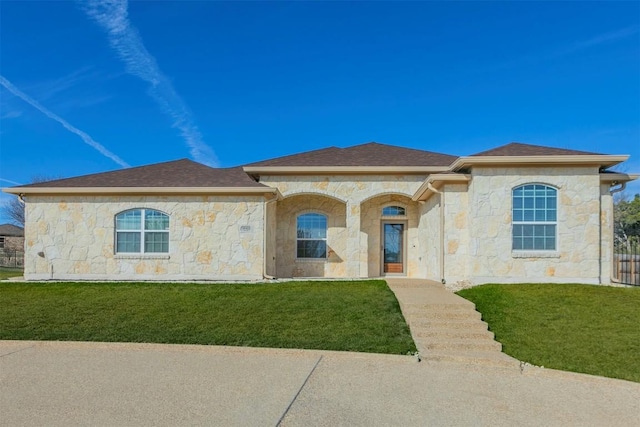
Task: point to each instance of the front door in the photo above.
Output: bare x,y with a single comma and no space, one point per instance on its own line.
393,248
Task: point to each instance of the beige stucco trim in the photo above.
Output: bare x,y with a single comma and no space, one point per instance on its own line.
618,177
143,190
435,181
342,170
584,159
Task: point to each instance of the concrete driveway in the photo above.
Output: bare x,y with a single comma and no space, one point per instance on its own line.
72,384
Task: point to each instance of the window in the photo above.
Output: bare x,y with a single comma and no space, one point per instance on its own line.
1,242
393,211
142,231
534,217
312,236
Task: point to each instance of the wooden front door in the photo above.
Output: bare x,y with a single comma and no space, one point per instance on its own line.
393,248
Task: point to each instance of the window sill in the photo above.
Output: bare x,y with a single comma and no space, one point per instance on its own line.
311,260
142,256
535,254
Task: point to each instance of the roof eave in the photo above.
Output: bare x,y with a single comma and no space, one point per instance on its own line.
425,191
341,170
141,190
578,159
617,178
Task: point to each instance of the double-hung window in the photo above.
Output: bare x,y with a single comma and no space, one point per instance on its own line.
142,231
535,218
311,239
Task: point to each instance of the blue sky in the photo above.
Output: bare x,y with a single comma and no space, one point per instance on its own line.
89,87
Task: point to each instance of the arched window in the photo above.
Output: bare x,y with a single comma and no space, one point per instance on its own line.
142,231
311,236
393,211
534,217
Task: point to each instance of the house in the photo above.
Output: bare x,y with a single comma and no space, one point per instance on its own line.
516,213
11,245
11,237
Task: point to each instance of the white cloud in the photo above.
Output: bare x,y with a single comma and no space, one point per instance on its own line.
112,15
85,138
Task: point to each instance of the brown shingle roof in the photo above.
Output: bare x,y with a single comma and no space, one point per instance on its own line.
11,230
519,149
178,173
370,154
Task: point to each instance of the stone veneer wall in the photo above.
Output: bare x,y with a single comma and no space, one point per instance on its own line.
270,237
352,190
490,258
456,236
13,243
75,235
606,233
429,235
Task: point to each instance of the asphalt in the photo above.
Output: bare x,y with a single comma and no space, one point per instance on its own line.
114,384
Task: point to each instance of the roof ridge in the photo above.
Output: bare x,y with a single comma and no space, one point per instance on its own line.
513,148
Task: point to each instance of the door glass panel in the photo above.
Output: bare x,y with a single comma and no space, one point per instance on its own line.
393,247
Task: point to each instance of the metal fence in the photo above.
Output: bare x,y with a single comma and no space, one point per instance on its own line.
11,258
626,263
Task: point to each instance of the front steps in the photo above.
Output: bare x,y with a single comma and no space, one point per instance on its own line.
446,327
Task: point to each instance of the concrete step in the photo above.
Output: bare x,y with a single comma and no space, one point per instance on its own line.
438,314
431,307
478,358
462,345
458,324
441,333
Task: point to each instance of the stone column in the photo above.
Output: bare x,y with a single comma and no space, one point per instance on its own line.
356,251
606,234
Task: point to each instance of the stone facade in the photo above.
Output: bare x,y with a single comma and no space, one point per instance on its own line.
461,235
210,237
580,226
346,200
12,243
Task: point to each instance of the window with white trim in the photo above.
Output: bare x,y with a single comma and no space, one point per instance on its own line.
393,211
141,231
311,240
534,218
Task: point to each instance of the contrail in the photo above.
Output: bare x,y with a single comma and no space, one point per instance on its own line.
10,182
112,15
86,138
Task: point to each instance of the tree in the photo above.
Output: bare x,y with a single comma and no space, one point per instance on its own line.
14,208
626,217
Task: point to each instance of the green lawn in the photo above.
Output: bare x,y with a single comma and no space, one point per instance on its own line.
580,328
354,316
6,272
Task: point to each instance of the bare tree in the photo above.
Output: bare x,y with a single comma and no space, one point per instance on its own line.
14,208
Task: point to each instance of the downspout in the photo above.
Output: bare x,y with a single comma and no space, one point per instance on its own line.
441,193
264,239
613,191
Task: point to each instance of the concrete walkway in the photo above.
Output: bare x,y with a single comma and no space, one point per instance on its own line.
77,384
446,327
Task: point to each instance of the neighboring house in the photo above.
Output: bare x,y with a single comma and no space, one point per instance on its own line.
11,238
517,213
11,245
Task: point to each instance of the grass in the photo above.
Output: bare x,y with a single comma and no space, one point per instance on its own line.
6,272
352,316
573,327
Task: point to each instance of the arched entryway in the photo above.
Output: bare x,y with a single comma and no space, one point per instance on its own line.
311,236
389,223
